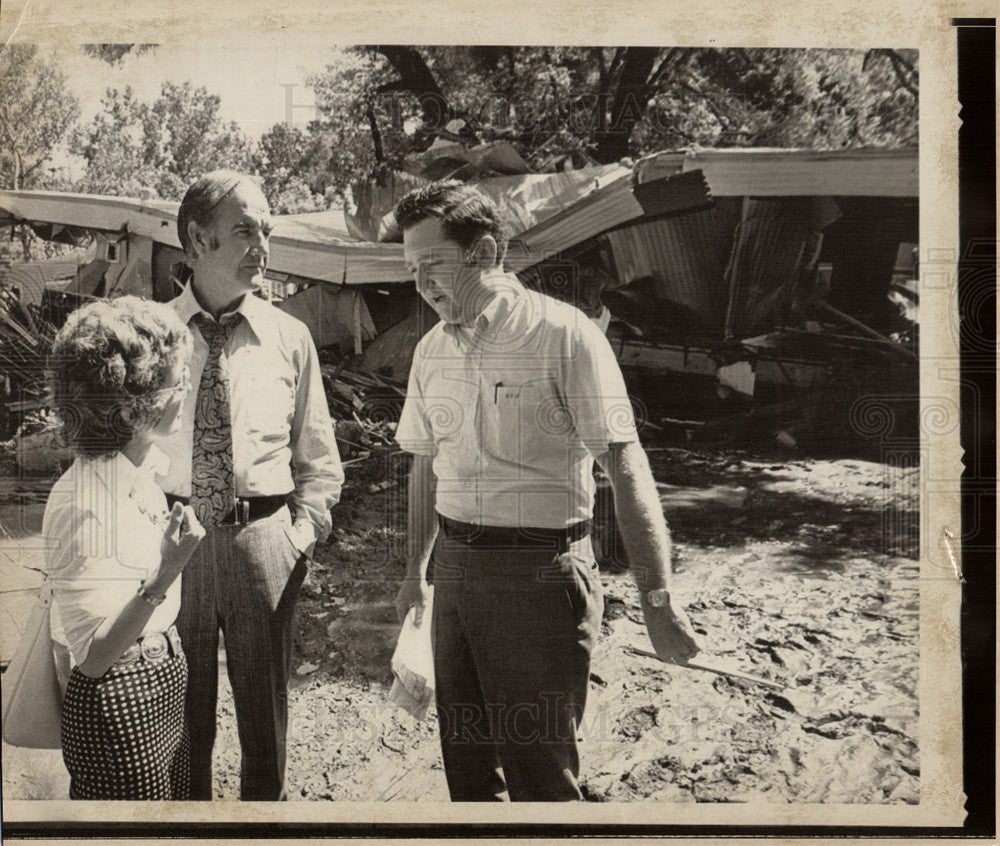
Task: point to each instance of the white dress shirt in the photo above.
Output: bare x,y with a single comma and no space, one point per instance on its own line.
283,441
103,525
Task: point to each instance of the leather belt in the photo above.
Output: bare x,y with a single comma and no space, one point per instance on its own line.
514,536
152,648
248,508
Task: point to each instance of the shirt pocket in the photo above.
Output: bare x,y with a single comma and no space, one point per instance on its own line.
270,403
528,424
449,408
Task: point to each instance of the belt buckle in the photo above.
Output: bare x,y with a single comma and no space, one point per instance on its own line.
154,647
240,512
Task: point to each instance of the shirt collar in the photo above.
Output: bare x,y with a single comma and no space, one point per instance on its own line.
119,475
186,304
157,461
491,320
250,307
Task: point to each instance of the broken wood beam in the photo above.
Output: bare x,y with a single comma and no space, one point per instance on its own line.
857,324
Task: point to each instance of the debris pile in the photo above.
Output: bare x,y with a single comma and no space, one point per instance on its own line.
25,341
30,440
365,407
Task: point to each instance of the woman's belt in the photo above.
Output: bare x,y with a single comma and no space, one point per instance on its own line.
154,648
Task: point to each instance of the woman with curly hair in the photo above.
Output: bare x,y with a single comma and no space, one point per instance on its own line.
119,372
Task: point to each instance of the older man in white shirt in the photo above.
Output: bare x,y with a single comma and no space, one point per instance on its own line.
256,457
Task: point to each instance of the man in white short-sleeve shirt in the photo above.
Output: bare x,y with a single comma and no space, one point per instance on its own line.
511,398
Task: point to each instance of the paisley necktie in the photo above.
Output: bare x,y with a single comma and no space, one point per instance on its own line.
213,485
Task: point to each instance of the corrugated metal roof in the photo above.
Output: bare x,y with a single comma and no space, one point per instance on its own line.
685,255
808,173
776,240
313,246
153,218
552,212
608,205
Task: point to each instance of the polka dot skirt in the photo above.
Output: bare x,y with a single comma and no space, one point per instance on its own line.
123,734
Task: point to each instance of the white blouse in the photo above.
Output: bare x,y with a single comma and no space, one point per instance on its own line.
102,528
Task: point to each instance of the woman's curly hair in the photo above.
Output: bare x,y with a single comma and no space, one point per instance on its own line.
108,369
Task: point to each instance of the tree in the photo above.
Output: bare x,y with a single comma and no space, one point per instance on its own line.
357,132
115,54
111,148
184,137
818,99
604,103
138,149
36,110
284,159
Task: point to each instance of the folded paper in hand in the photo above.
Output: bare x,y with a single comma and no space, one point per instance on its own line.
413,665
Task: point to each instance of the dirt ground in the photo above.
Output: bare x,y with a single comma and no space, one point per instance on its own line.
798,570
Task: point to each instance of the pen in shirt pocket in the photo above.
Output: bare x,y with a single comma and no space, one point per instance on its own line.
496,392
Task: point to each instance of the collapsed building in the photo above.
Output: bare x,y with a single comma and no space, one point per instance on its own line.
738,287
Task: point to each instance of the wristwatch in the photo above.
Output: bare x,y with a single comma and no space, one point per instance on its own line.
658,597
149,598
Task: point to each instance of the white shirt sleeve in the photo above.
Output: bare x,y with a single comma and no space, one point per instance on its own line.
316,469
413,434
95,559
595,392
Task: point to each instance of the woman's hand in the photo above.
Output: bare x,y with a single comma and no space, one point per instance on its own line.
180,539
119,630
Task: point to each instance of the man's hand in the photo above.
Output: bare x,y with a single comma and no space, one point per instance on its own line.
413,592
670,631
302,534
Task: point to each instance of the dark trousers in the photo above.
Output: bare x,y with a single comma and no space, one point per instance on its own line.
513,632
244,581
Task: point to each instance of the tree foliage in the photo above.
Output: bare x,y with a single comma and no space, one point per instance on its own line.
567,106
133,148
359,131
290,164
115,54
614,102
560,107
36,111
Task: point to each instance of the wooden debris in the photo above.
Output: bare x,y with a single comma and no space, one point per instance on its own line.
25,341
871,333
697,664
365,407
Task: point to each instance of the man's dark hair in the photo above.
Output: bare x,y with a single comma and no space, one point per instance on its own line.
465,212
201,199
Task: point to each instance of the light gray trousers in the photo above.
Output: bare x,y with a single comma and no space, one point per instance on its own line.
243,581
